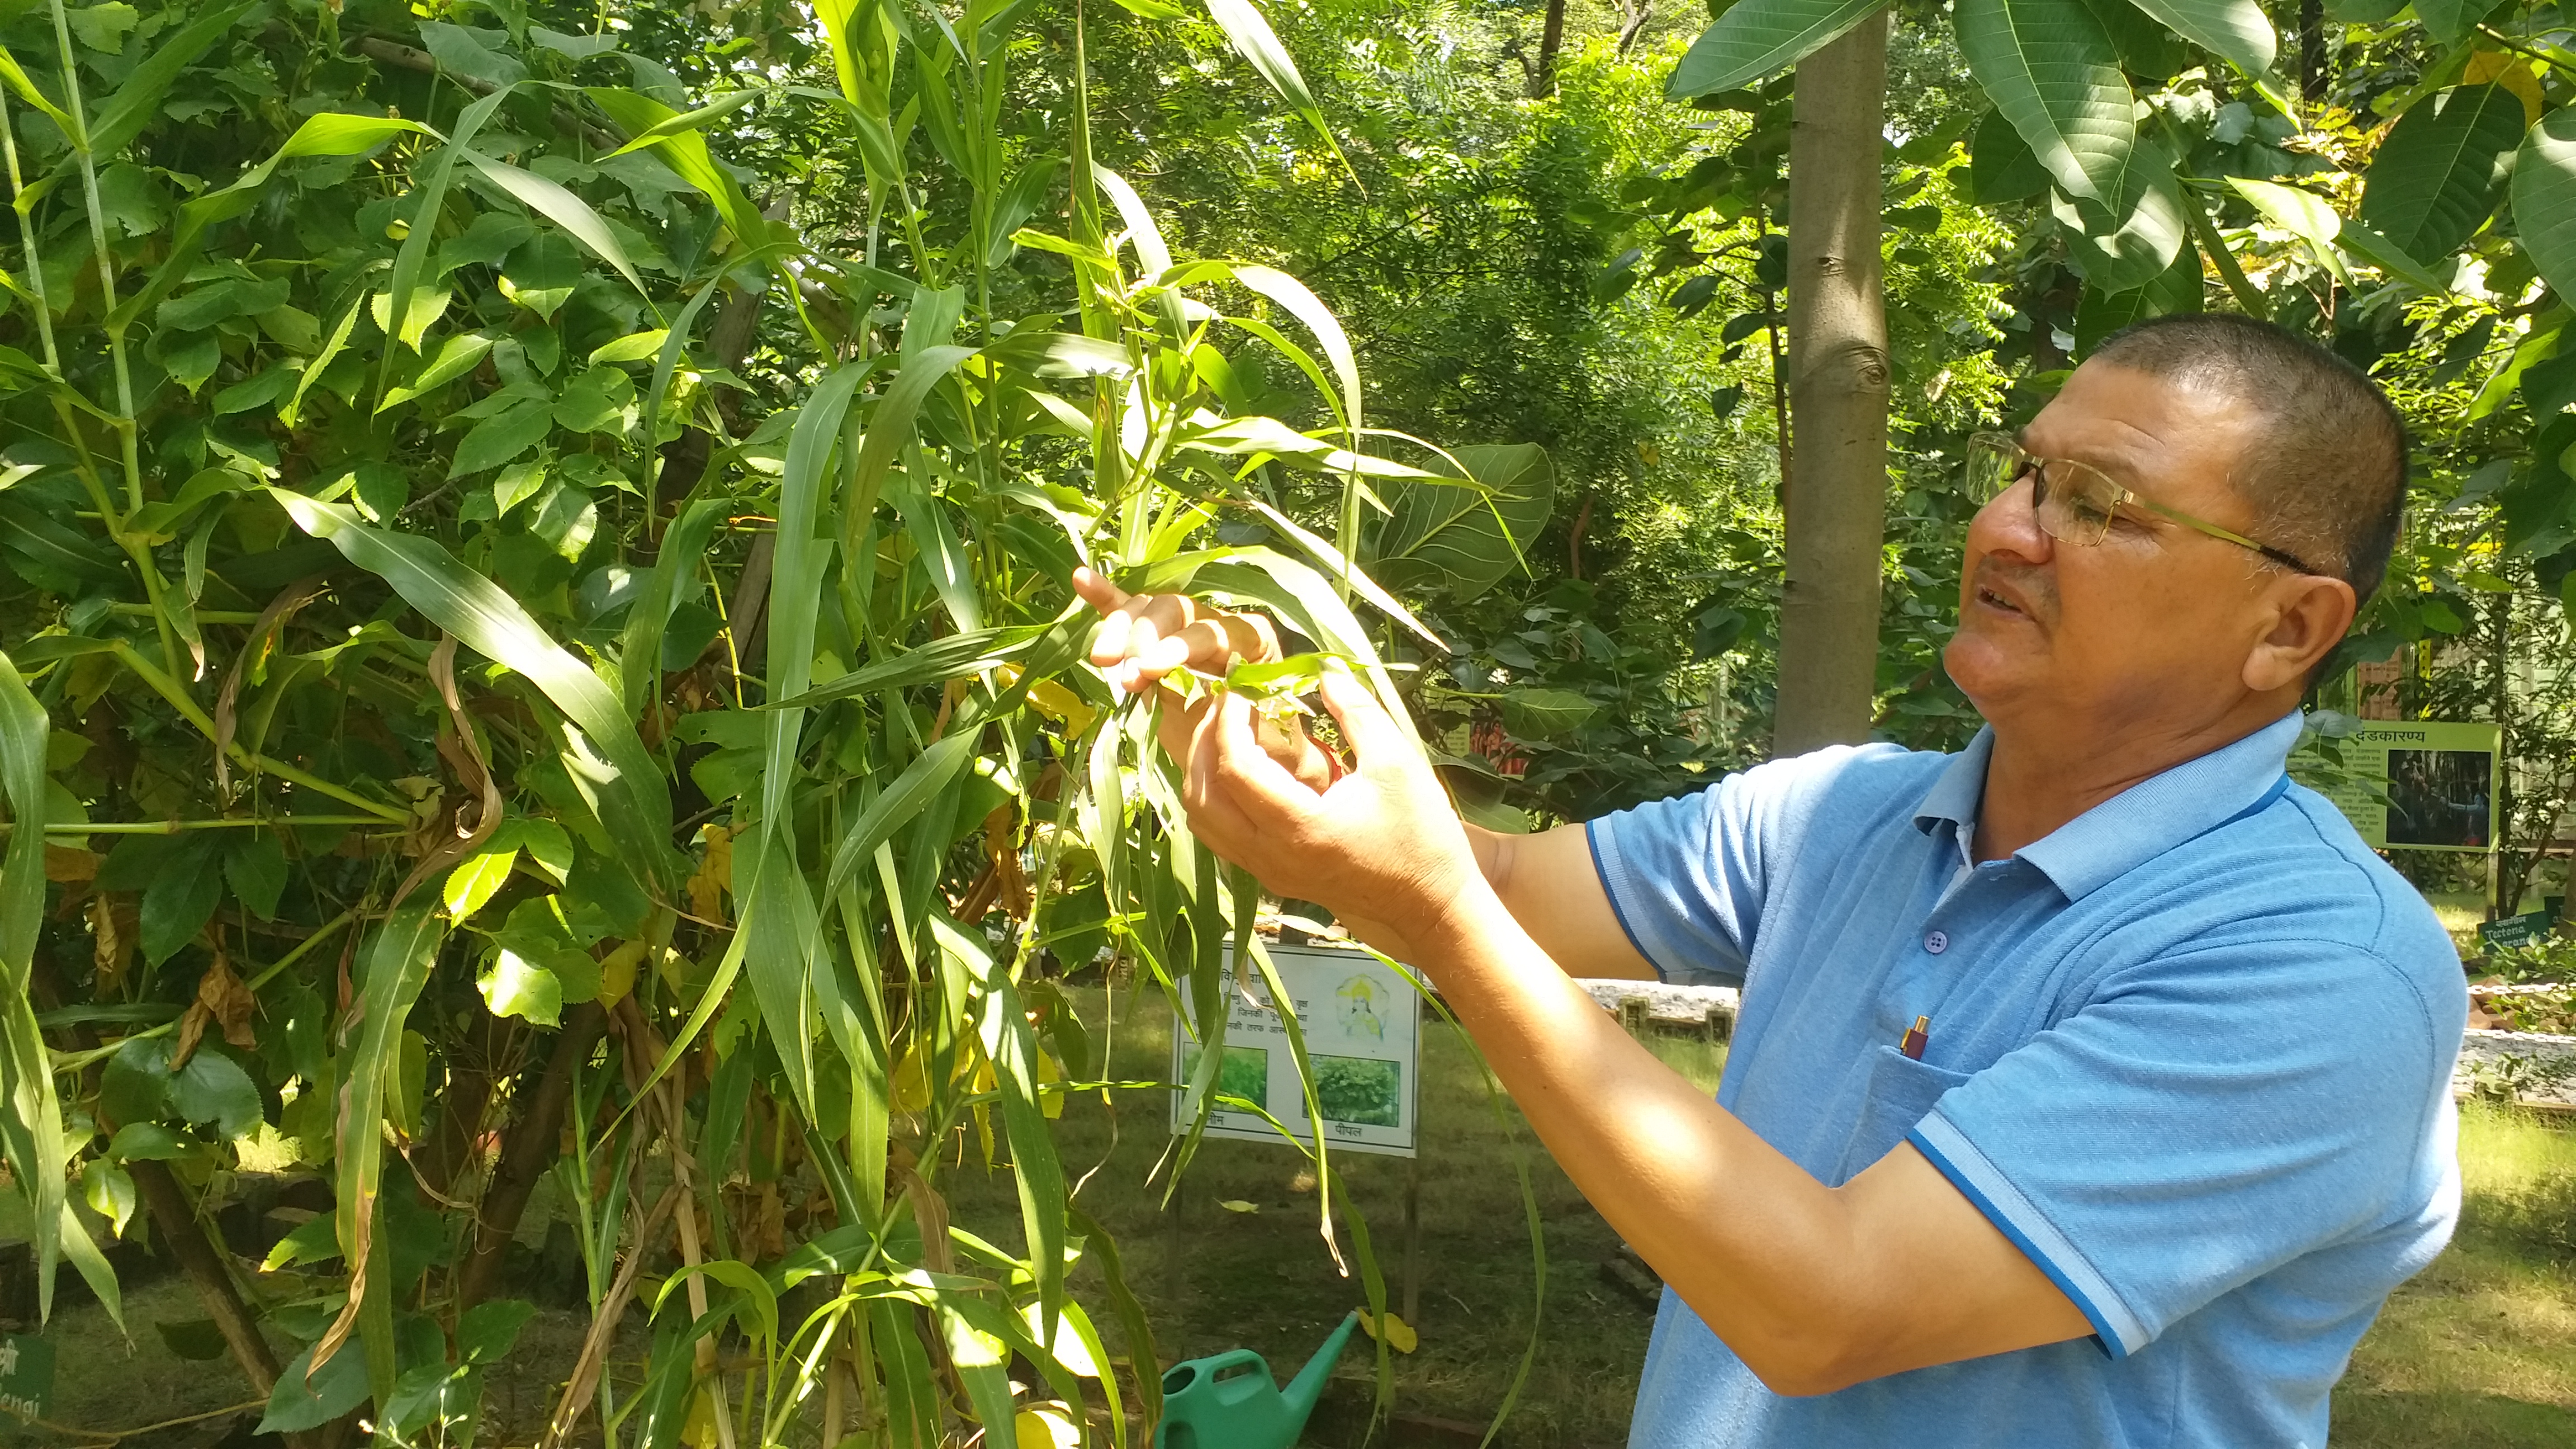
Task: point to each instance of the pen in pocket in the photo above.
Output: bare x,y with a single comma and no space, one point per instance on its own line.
1915,1038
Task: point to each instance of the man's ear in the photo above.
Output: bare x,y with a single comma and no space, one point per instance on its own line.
2310,616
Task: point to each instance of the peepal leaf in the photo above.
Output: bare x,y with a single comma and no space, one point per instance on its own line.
2437,177
2544,198
2050,68
1756,38
1466,537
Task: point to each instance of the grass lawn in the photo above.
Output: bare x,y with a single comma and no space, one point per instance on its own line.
2479,1350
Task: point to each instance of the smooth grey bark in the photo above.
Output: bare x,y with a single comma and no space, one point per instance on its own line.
1837,495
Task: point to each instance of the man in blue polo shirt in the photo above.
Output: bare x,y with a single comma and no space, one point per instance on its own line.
2091,1085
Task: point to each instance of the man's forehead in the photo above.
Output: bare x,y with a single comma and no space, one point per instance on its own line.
2129,421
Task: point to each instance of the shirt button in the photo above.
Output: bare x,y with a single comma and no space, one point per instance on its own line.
1936,942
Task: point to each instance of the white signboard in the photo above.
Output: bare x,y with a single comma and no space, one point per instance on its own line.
1360,1024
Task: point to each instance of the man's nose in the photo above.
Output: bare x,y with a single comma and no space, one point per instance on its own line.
2009,524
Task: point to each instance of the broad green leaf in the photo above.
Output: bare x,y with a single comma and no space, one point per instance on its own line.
2001,166
1546,714
466,52
488,620
109,1191
2236,30
181,898
2544,198
2121,247
1468,538
255,867
1252,38
486,1331
633,347
2451,21
517,986
308,1398
562,208
2050,69
475,880
501,437
2438,175
1756,38
2303,214
212,1087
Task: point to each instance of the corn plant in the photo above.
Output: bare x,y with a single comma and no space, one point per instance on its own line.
524,663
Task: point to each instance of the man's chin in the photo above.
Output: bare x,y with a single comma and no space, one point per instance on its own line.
1985,666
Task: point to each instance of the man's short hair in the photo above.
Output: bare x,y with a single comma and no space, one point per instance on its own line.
2327,473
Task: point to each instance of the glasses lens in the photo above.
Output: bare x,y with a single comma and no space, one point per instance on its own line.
1993,463
2075,502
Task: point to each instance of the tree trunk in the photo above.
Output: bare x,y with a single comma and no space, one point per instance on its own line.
1837,396
531,1148
2312,51
1551,39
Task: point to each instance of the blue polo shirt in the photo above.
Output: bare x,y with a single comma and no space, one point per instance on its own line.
2192,1052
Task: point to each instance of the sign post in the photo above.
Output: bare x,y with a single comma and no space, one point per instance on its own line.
26,1375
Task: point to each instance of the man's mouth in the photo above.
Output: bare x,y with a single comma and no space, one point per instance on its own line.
1993,600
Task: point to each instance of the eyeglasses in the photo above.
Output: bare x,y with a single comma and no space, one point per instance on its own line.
2074,502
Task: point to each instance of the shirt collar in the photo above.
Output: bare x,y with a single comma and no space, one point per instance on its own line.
2131,827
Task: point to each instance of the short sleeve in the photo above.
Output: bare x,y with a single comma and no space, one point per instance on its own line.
2205,1119
1686,874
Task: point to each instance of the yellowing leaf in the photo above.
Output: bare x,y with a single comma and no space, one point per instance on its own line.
2511,72
475,880
1045,1428
911,1082
1399,1335
1051,1103
1054,701
713,879
617,972
1237,1205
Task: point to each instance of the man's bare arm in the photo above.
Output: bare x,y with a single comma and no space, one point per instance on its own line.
1815,1288
1549,883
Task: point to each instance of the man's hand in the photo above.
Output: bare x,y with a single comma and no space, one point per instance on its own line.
1143,637
1381,847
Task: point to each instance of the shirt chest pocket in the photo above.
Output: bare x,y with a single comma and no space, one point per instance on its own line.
1900,1093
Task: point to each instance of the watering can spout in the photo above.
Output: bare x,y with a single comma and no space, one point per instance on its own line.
1308,1386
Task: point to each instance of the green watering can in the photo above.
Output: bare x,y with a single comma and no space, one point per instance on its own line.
1231,1402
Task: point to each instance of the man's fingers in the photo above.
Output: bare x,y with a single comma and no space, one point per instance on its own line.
1372,734
1264,789
1215,817
1097,591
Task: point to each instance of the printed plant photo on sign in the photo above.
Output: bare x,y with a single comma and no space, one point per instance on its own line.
2440,798
1359,1090
1244,1073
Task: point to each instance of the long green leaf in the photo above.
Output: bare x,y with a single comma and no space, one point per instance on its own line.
2050,68
1254,40
930,772
32,1126
561,207
432,190
703,116
2237,30
138,97
639,659
1003,1026
2438,175
391,972
488,620
1760,37
2544,198
936,662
